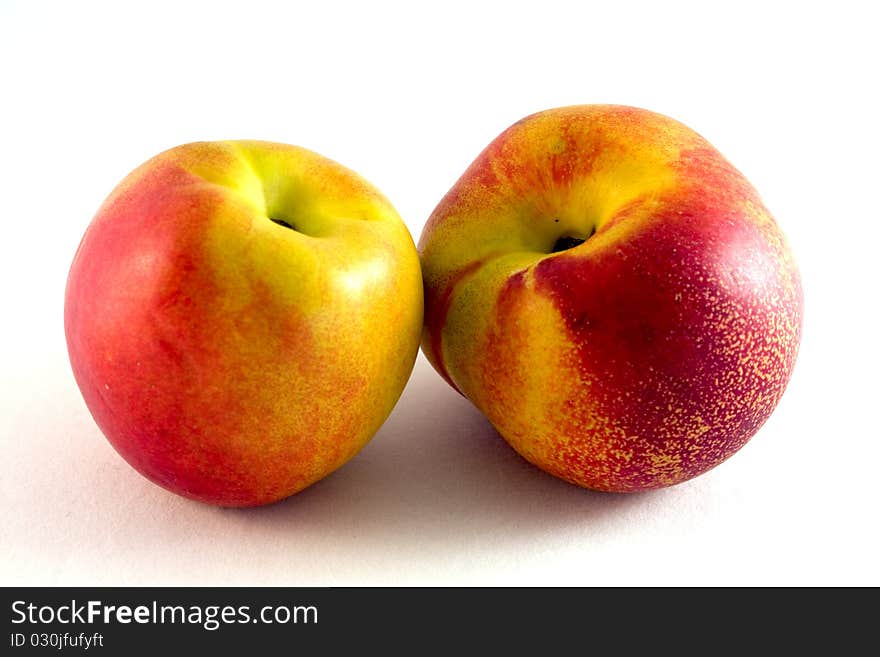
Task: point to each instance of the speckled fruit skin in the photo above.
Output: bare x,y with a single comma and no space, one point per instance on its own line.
225,356
644,356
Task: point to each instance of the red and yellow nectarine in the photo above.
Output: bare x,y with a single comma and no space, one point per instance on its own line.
613,295
241,317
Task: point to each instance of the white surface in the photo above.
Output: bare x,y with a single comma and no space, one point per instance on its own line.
408,96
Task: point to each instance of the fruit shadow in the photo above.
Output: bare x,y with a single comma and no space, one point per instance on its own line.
438,474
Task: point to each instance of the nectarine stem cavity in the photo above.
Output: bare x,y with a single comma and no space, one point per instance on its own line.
570,241
282,222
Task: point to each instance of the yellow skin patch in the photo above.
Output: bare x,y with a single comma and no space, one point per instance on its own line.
642,357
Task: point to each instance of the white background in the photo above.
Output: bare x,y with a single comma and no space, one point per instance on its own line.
407,95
